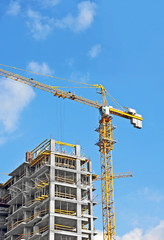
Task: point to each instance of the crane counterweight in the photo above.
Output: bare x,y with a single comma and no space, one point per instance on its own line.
104,111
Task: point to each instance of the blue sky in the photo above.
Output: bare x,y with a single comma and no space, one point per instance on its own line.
116,43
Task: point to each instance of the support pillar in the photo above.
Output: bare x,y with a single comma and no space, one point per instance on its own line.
52,190
78,180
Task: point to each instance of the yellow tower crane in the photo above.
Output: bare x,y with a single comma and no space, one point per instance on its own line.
105,141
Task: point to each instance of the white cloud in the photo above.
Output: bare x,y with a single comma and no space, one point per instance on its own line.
87,12
95,51
39,25
136,234
14,8
14,97
155,233
99,236
42,68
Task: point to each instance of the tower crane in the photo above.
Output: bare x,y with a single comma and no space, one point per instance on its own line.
105,142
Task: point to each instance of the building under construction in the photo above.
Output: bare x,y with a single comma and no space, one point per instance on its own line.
49,196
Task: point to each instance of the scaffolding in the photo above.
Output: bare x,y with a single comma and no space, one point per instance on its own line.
47,197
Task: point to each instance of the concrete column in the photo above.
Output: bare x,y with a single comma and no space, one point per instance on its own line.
36,229
91,201
77,150
78,179
27,231
52,190
90,166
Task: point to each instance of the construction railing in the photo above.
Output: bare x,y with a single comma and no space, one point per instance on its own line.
84,167
84,197
21,176
65,165
84,211
26,220
38,199
40,161
29,203
65,162
66,212
6,198
85,226
9,182
65,228
65,195
42,184
65,180
41,148
28,235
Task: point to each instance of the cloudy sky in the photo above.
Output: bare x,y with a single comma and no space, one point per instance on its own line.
118,44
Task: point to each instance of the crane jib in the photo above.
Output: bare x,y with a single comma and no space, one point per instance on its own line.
136,119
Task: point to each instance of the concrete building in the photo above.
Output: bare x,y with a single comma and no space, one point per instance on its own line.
3,211
49,196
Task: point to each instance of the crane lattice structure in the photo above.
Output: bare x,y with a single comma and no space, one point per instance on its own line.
105,141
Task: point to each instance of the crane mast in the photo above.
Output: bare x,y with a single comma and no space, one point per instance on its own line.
105,148
105,142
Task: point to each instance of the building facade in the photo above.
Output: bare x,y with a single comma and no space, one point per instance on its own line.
49,196
3,211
